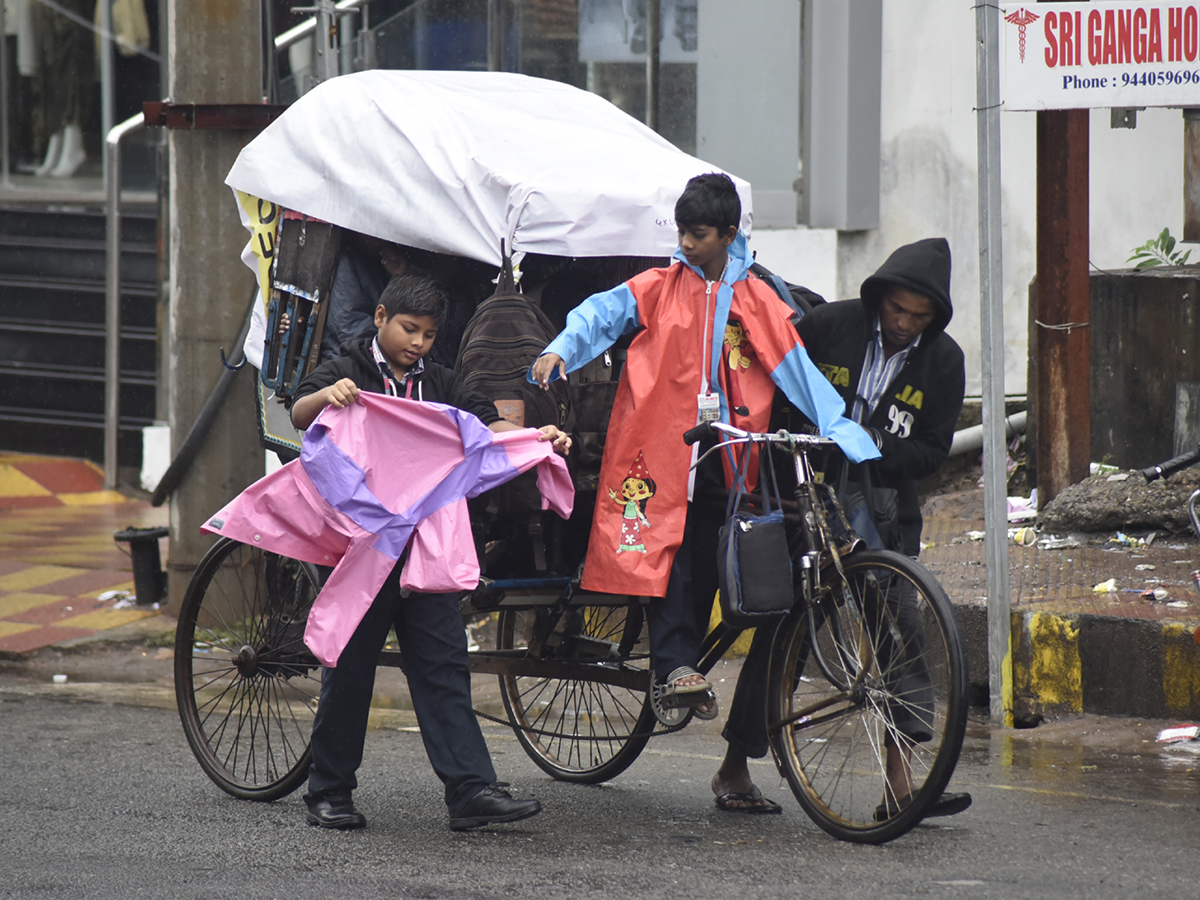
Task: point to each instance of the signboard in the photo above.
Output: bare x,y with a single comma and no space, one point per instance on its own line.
1086,55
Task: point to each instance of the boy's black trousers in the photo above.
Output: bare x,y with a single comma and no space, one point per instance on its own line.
679,621
433,643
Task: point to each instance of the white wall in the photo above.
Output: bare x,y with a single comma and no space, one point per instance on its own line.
929,187
806,256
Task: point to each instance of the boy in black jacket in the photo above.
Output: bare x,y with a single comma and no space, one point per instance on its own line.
902,378
391,360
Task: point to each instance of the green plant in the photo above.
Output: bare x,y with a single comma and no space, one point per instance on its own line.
1159,251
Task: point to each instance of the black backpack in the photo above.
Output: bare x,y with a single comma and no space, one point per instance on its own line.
799,298
501,341
499,344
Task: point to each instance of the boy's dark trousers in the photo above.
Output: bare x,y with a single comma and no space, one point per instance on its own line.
433,644
913,718
679,621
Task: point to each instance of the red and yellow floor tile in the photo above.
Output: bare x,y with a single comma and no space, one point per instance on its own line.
57,553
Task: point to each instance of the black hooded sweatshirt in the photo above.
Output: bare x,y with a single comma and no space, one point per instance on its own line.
916,414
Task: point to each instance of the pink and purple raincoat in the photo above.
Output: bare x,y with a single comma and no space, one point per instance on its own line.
374,478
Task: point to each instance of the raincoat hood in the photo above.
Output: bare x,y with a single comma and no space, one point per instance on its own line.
739,263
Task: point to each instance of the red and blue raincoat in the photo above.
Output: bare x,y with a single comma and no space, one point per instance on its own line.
732,339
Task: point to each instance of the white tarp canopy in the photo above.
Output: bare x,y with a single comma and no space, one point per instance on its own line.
455,161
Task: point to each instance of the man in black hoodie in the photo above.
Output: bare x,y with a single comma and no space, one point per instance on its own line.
912,392
902,378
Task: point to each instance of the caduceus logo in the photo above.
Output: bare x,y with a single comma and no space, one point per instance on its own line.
1022,18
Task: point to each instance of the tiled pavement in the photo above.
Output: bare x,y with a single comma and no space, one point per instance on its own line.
1076,649
57,553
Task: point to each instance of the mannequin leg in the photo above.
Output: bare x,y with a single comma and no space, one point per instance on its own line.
53,154
73,153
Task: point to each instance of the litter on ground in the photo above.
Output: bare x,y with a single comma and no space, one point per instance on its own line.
1052,542
1179,733
1023,537
1023,509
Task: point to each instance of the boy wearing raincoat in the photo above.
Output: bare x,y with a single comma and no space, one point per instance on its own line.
682,369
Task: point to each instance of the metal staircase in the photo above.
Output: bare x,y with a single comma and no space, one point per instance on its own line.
52,330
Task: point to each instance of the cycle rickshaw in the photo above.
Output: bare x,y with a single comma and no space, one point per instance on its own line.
572,665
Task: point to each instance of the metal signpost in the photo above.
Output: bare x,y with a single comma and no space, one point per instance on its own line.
991,318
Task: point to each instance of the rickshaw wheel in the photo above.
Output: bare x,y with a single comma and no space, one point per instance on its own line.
245,684
840,708
575,729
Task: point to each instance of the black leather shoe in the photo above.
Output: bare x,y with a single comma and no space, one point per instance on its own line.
336,812
946,805
492,805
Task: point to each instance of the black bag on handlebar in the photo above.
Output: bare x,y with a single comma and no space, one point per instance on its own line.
753,565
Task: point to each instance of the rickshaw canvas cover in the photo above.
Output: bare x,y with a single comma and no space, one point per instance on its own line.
376,477
456,161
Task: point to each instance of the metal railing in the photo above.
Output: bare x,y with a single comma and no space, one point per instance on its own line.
112,292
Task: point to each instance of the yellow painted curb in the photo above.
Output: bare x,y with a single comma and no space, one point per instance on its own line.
1053,673
92,498
7,629
103,619
1181,669
20,601
36,576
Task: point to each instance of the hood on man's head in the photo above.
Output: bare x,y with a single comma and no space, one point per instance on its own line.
922,267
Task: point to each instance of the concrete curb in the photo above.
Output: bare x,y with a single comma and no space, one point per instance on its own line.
1062,662
1072,663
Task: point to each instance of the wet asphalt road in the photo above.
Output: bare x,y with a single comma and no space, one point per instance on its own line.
102,798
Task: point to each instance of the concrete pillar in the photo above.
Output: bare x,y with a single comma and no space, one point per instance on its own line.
214,50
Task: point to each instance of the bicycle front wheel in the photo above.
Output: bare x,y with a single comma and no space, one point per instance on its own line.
245,684
867,699
577,729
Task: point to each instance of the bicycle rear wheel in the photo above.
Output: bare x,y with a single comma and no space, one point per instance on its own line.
575,729
876,663
245,684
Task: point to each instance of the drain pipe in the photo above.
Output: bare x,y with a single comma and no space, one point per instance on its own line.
208,413
112,293
972,438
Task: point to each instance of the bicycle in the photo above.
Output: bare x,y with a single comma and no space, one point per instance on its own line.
574,669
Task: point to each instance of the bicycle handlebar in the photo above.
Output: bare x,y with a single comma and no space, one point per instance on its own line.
1171,466
692,435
